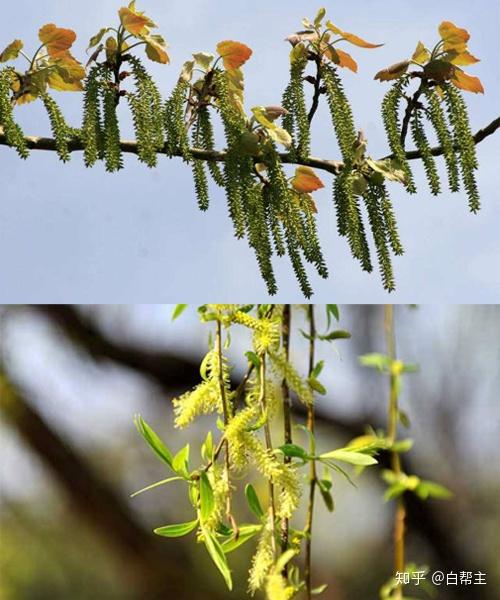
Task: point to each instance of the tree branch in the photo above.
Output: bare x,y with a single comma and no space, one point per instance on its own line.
331,166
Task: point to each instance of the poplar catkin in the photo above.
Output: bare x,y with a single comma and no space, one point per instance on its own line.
177,139
437,117
464,141
92,127
59,127
296,121
423,146
13,132
207,142
390,115
112,150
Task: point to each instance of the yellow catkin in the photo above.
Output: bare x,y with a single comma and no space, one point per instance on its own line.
277,588
221,489
263,559
292,378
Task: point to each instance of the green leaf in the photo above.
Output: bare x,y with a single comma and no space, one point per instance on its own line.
178,530
318,369
317,386
180,462
153,441
294,451
207,448
206,497
319,17
332,310
376,361
335,335
98,37
404,419
217,555
204,60
253,359
429,489
350,456
325,486
155,485
319,590
402,446
178,310
394,491
253,501
245,533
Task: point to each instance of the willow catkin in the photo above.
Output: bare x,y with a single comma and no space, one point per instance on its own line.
423,146
390,115
437,117
92,133
373,199
464,141
13,132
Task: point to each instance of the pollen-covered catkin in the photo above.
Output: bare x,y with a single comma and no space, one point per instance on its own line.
13,132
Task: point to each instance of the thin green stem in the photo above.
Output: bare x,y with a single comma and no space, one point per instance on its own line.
312,463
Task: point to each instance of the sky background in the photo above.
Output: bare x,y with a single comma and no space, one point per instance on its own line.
68,234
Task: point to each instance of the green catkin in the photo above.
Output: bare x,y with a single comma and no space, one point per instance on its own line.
145,105
92,129
234,126
422,144
312,246
273,221
341,113
390,223
59,127
373,198
175,127
258,235
263,558
112,150
350,222
296,122
390,115
200,176
207,141
438,120
13,132
283,203
464,141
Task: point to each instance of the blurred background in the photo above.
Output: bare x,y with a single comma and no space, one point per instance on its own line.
70,456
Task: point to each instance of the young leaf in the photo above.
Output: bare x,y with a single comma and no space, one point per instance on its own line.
350,37
466,82
350,456
178,530
178,310
335,335
294,451
12,51
217,555
245,533
153,441
253,501
156,49
180,462
57,40
306,180
375,361
393,72
429,489
233,54
206,497
97,37
332,310
135,22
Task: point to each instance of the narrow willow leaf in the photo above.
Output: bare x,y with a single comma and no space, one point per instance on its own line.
246,533
180,462
217,555
155,485
294,451
253,501
178,310
178,530
351,457
153,441
206,497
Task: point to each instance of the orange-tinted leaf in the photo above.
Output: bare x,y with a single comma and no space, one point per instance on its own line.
453,36
346,60
464,58
156,49
12,51
467,82
56,40
234,54
421,54
350,37
136,23
68,74
306,180
393,72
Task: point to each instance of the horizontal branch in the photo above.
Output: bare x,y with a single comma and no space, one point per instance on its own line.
331,166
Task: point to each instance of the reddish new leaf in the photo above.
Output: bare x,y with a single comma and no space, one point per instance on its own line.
306,180
233,54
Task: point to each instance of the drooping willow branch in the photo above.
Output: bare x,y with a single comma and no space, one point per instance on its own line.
331,166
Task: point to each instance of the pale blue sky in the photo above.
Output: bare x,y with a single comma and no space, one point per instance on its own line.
72,235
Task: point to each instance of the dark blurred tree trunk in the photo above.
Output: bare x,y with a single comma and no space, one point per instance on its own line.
154,572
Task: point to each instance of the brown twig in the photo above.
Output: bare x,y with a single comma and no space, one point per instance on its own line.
287,415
